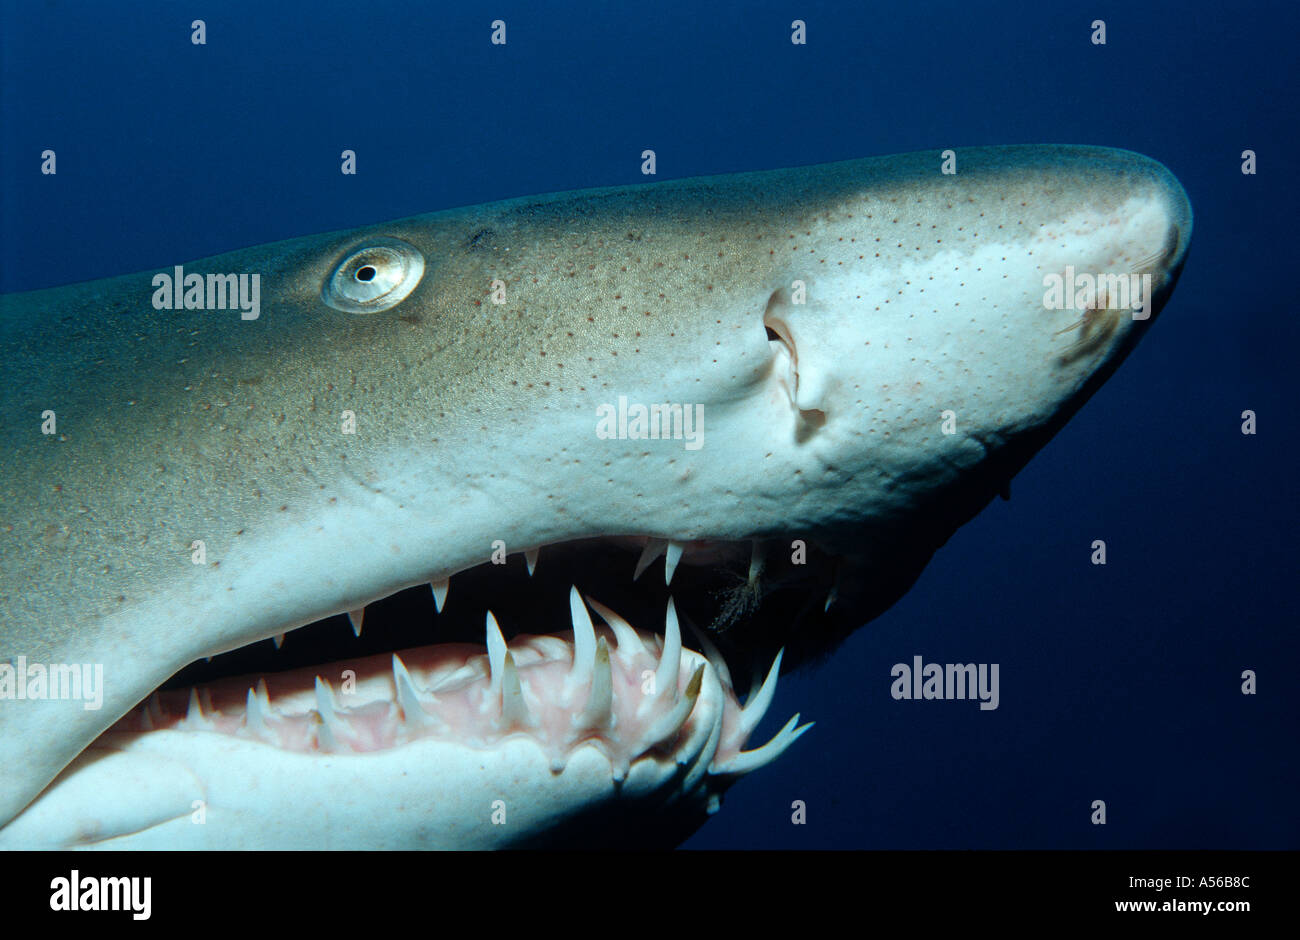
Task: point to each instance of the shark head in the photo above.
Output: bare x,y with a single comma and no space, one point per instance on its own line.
789,387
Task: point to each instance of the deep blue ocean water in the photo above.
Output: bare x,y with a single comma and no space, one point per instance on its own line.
1119,683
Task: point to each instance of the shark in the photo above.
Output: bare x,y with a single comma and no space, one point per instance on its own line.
584,473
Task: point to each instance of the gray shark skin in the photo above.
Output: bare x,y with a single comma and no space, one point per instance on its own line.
828,319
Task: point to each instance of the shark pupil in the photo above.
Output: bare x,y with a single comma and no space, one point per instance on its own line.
374,277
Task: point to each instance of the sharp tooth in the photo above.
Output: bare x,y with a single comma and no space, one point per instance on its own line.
439,589
600,703
355,617
331,727
194,713
530,557
205,696
496,650
255,715
408,697
278,640
757,557
653,549
584,642
146,720
324,698
670,660
701,766
669,724
264,695
746,761
154,707
711,653
629,643
671,558
756,707
835,590
514,710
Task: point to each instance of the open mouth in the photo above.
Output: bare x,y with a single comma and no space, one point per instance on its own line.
635,646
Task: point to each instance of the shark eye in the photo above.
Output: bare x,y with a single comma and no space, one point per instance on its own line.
374,277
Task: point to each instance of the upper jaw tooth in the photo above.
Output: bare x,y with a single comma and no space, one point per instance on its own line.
653,549
757,558
672,555
670,549
439,589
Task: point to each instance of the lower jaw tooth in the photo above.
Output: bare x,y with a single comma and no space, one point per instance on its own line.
756,707
628,641
330,732
670,659
671,723
255,715
584,643
408,698
194,713
747,761
711,653
497,652
514,711
599,708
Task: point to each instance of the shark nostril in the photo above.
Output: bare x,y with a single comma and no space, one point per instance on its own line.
781,343
804,382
